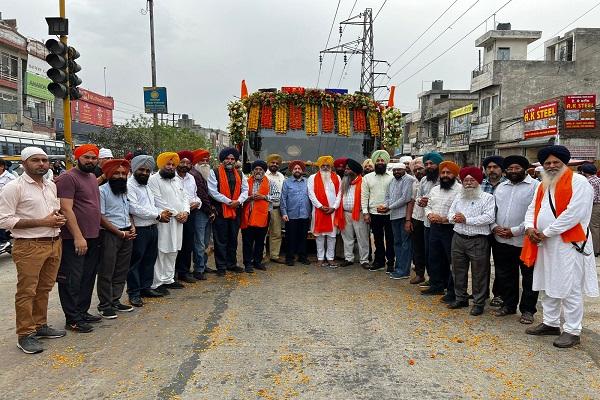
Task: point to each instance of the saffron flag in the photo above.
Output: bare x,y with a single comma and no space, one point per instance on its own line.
244,89
390,103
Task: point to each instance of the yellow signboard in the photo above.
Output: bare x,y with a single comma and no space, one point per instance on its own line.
468,109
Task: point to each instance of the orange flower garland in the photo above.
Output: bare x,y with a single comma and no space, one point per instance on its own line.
311,115
281,119
295,116
327,119
343,114
360,120
374,124
266,117
253,118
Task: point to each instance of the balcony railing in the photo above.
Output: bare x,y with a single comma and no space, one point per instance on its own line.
481,70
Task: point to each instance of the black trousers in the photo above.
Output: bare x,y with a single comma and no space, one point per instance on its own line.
384,241
225,237
76,277
253,245
495,289
507,266
440,257
183,263
295,237
112,269
418,246
143,258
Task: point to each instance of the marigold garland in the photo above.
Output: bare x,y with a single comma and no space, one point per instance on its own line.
253,118
327,119
311,115
266,117
295,116
343,114
374,124
281,119
360,120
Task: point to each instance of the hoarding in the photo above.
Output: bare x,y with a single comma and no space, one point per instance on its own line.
541,120
91,114
580,111
460,119
36,82
155,100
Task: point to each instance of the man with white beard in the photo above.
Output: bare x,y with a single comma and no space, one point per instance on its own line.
558,243
325,194
472,212
168,195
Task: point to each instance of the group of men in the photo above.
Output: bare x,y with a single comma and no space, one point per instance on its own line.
110,222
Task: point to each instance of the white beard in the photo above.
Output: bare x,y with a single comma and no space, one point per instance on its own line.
204,170
471,193
326,175
549,180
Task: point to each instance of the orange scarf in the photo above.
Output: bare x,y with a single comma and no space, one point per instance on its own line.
256,212
341,222
562,197
229,212
323,222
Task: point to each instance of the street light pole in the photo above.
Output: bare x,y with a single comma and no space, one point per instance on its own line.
153,66
66,103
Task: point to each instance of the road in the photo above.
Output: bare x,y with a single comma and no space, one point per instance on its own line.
297,333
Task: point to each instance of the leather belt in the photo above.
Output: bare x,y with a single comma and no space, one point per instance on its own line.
470,237
41,239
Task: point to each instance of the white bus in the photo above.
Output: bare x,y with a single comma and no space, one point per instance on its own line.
12,142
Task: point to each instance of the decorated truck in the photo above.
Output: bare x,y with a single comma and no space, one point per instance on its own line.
303,124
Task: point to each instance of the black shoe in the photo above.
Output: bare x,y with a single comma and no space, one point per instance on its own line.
346,263
162,289
249,270
136,302
376,268
476,310
261,267
566,340
108,313
290,263
174,285
432,292
122,307
209,270
29,344
151,293
448,298
221,272
365,265
80,327
458,304
46,332
305,261
188,278
543,330
200,276
89,318
236,269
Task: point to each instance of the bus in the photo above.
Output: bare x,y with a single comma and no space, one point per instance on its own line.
12,142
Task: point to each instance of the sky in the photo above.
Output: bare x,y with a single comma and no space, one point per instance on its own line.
204,48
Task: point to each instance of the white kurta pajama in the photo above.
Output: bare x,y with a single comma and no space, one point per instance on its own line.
334,202
168,195
564,274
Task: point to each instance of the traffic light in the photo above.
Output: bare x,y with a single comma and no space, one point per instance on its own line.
74,80
64,69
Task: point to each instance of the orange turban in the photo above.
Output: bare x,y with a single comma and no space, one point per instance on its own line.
86,148
110,166
452,166
199,155
164,158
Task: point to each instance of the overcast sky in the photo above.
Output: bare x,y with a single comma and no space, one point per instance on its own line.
206,47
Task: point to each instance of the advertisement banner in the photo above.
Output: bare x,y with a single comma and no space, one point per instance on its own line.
468,109
460,119
480,132
91,114
540,120
457,143
580,111
155,100
95,98
37,86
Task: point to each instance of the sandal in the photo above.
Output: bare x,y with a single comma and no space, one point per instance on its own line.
503,312
526,318
331,264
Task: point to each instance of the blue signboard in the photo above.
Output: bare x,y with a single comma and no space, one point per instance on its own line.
155,100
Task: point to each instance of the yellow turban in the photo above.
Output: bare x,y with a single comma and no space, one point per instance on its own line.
324,160
274,157
368,162
377,154
164,158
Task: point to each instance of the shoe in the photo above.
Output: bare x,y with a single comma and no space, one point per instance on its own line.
200,276
188,278
174,285
305,261
346,263
526,318
221,272
455,305
162,289
365,265
376,268
503,312
209,270
261,267
417,279
290,263
80,327
136,302
277,260
424,284
448,298
249,270
321,263
122,307
4,246
389,270
543,330
395,275
496,302
331,264
108,313
566,340
151,293
476,310
236,269
46,332
89,318
29,344
432,292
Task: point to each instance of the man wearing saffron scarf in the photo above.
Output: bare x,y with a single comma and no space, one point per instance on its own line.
355,229
168,195
229,189
558,243
255,217
325,194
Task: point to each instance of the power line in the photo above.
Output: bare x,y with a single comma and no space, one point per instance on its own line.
340,42
329,36
380,8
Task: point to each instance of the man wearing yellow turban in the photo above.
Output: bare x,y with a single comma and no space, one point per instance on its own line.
164,158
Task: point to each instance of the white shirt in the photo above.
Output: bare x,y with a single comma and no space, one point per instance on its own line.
190,188
6,177
423,190
277,178
374,187
440,200
141,203
478,212
213,189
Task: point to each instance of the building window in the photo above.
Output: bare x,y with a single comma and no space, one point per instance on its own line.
485,107
8,67
495,101
503,53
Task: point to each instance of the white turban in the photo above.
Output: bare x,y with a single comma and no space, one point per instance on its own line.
539,169
31,151
405,159
105,153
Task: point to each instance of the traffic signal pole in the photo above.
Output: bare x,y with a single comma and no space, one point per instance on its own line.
66,105
153,67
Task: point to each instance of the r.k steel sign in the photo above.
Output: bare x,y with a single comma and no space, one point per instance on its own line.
541,120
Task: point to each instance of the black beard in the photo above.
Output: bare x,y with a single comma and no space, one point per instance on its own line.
118,186
183,169
297,175
166,174
447,183
141,179
380,169
273,168
86,168
516,177
432,175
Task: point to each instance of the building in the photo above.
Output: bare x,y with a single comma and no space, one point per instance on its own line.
218,138
13,59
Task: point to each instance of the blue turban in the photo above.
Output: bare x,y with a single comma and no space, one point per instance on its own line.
560,152
227,152
434,157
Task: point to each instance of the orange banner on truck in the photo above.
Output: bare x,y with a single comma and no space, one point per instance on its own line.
580,111
541,120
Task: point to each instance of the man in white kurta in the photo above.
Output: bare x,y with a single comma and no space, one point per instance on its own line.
561,271
168,195
325,164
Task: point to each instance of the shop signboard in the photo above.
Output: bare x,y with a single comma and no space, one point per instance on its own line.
580,111
541,120
460,119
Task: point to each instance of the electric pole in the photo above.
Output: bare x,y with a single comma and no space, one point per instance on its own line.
153,67
66,103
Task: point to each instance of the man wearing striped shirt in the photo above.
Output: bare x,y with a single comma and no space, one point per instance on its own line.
472,212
